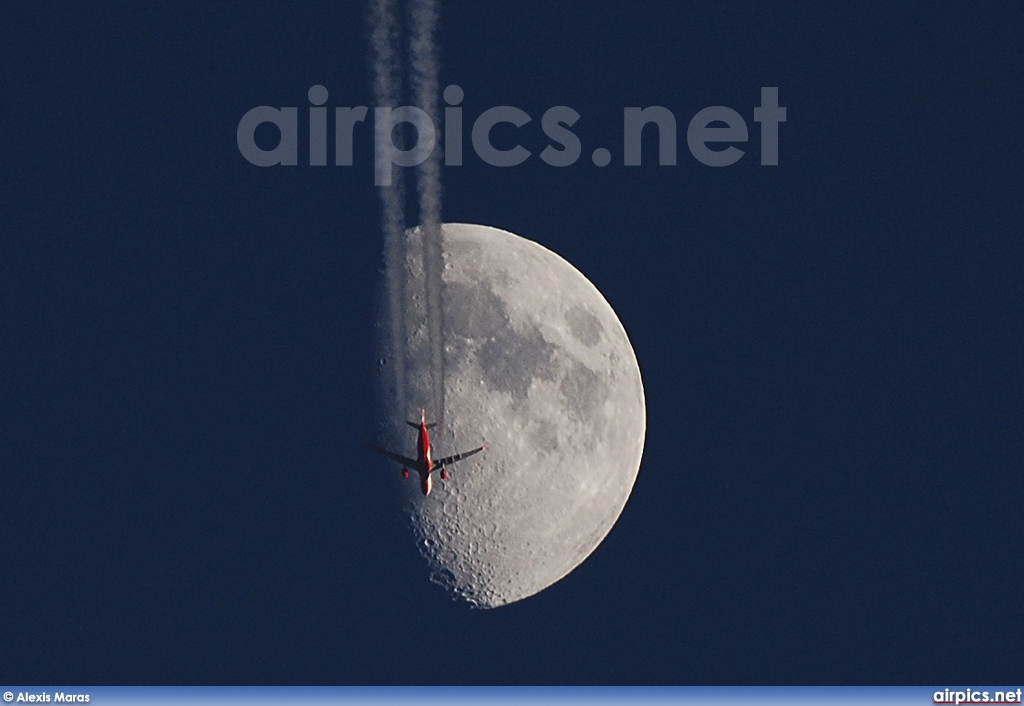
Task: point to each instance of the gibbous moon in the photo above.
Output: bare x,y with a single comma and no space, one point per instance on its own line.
537,365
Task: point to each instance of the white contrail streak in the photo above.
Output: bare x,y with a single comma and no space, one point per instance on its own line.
387,89
405,315
425,84
423,53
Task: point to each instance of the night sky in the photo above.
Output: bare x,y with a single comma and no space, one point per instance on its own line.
831,486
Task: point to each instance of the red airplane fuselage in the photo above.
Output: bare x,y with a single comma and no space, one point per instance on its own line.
424,461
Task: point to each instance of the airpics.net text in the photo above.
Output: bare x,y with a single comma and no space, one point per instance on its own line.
702,130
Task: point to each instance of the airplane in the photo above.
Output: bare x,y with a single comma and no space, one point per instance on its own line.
424,463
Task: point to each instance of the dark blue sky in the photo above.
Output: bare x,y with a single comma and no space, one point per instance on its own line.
831,487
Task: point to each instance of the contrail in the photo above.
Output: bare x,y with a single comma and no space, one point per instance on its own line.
423,53
387,89
403,312
425,83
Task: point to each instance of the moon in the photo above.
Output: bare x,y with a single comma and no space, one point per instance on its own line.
537,365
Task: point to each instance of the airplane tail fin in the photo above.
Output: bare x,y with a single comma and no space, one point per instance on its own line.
416,425
423,420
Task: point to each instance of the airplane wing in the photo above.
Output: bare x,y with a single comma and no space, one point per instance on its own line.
411,463
441,463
